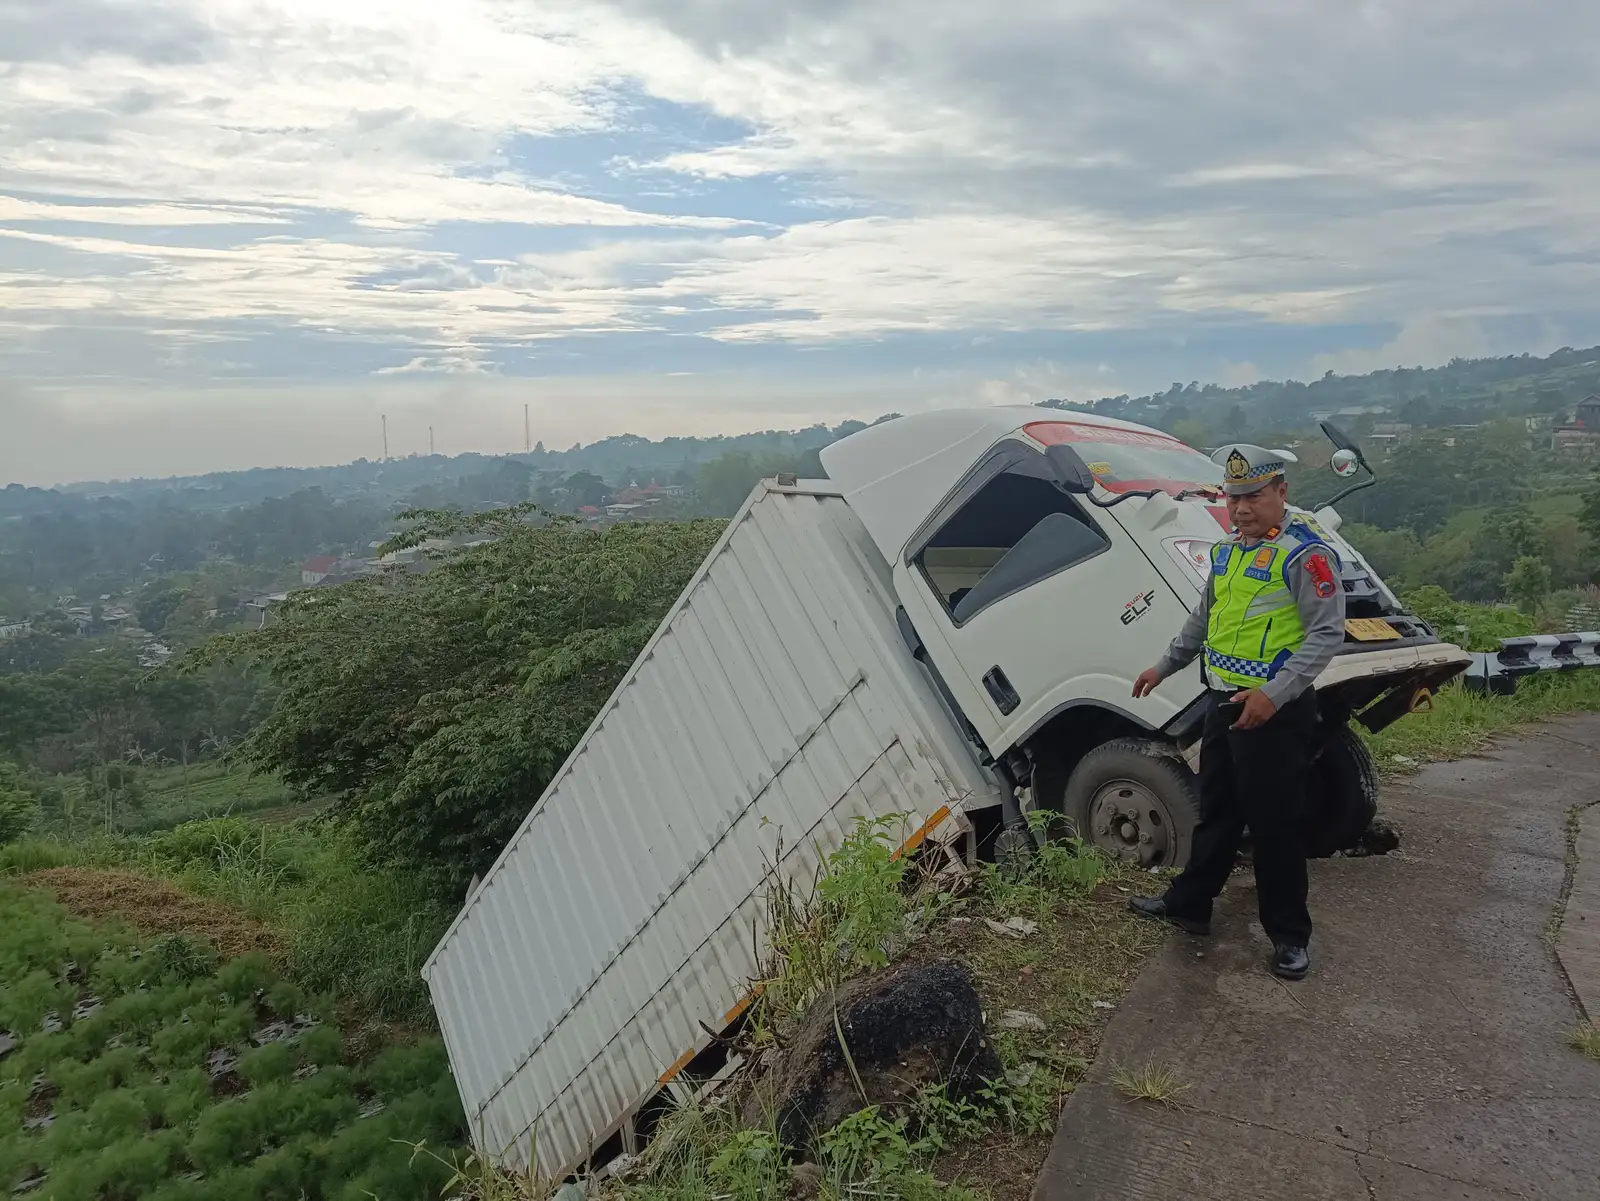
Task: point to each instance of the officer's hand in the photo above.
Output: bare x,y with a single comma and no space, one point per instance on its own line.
1146,683
1258,708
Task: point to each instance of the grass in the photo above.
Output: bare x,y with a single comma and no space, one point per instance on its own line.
1462,723
1152,1082
147,1068
350,928
168,796
1586,1038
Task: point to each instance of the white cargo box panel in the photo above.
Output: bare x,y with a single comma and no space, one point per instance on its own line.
775,705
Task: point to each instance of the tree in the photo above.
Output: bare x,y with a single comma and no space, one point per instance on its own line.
1392,553
19,809
437,707
101,691
585,488
1528,583
177,702
30,708
157,604
1504,536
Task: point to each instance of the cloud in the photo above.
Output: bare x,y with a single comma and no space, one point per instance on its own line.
72,31
287,187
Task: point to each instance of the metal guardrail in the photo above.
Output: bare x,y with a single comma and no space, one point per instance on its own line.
1497,672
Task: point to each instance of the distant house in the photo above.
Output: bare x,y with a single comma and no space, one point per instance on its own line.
316,569
622,511
154,654
1393,429
13,629
1582,433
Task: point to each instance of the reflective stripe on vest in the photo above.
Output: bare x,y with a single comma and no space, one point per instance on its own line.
1255,625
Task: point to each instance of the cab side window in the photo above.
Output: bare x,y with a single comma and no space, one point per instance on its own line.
1015,530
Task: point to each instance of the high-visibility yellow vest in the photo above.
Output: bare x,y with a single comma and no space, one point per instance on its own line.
1255,625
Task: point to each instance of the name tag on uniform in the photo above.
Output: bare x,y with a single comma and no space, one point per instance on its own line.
1261,565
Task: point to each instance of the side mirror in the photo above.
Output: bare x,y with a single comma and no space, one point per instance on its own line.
1071,472
1345,463
1339,438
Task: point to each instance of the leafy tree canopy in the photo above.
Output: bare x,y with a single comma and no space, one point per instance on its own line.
439,706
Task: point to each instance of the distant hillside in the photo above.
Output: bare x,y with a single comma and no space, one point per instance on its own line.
618,460
1462,391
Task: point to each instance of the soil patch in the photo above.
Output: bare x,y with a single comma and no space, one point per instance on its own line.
155,907
1071,973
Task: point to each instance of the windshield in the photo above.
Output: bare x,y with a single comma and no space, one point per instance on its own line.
1129,460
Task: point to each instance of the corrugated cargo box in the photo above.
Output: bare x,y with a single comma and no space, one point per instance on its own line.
774,706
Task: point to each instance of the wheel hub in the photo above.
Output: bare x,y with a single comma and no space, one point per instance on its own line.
1131,822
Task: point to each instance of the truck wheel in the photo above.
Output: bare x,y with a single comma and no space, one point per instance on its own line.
1342,795
1132,797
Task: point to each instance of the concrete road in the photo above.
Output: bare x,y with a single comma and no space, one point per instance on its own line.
1426,1056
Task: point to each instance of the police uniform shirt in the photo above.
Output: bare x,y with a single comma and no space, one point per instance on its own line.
1321,613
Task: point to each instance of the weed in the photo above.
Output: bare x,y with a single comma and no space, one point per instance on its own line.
866,1146
1058,870
945,1120
1152,1082
856,915
182,958
1586,1038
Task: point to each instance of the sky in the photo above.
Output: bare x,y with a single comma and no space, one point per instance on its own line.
236,232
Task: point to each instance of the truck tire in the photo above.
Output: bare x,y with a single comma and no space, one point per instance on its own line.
1131,797
1341,795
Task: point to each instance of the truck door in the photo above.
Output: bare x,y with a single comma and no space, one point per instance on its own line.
1029,600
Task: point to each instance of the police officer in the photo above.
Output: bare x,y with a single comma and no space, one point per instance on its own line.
1269,620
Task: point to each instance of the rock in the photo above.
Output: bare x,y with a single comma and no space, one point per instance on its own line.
805,1182
1020,1019
1020,1077
1102,1005
1379,838
905,1028
1012,927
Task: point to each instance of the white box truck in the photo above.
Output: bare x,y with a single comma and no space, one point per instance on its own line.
947,628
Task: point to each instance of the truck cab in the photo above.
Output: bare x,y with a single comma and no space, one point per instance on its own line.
1042,559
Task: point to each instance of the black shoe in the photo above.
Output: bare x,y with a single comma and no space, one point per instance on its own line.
1156,908
1290,962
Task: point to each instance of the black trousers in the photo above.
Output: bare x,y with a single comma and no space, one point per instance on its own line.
1256,778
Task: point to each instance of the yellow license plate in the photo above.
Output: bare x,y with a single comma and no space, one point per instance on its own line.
1370,629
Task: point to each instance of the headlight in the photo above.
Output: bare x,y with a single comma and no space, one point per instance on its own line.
1193,553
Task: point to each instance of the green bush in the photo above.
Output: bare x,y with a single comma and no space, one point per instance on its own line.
1473,627
19,812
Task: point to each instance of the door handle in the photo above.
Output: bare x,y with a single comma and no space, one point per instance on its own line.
1000,690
